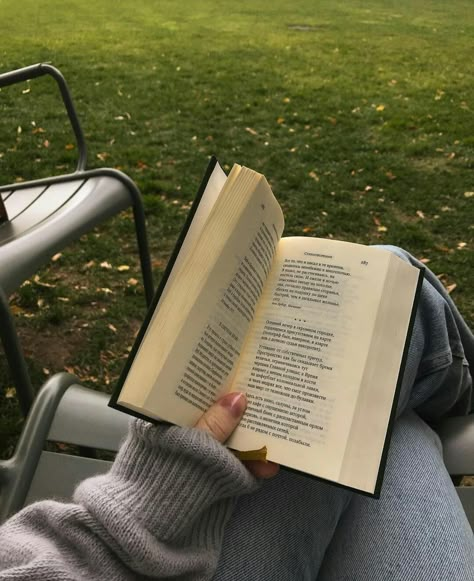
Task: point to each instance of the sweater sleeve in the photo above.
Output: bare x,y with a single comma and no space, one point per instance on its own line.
160,512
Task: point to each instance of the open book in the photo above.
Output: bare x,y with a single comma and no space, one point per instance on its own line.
314,331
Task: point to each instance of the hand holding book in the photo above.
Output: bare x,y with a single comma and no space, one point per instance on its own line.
222,418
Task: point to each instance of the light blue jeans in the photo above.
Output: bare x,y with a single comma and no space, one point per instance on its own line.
296,528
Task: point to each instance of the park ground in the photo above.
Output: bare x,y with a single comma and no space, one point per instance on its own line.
360,114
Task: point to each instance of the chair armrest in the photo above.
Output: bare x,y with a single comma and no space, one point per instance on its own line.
457,437
84,418
39,70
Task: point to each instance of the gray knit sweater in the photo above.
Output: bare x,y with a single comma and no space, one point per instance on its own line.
159,513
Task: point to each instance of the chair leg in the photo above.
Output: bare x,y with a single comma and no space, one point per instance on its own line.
15,358
142,242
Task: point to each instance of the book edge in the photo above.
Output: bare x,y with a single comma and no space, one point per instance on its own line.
151,309
396,397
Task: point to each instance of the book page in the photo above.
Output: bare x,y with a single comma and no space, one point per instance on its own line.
217,291
307,350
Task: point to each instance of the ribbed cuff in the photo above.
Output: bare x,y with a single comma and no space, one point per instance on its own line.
165,480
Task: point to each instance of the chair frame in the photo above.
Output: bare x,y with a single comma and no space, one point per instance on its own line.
54,416
8,336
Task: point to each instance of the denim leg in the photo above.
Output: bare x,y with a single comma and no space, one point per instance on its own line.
416,531
440,364
283,531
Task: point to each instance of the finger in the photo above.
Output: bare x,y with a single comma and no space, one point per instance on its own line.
223,417
262,469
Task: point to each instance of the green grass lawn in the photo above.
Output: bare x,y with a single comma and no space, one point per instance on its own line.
359,113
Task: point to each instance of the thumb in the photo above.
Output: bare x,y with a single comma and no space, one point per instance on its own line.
223,417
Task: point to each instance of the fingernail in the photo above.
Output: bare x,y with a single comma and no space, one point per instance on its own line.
235,403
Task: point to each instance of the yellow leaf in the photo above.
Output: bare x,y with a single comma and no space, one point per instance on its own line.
461,245
106,265
420,214
382,229
132,281
56,257
286,100
251,131
380,108
307,229
313,175
69,146
280,120
260,455
10,392
123,268
469,194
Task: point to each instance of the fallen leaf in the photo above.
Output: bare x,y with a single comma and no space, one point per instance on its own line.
46,371
105,290
25,91
425,260
40,303
19,130
420,214
332,120
451,287
10,392
251,131
368,188
313,175
39,282
38,130
280,120
112,328
461,245
69,146
46,143
106,265
103,155
123,268
132,281
307,229
63,299
390,175
376,220
380,108
382,229
56,257
69,369
286,100
468,194
89,264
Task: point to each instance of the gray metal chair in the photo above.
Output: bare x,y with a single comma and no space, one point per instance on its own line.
46,214
67,412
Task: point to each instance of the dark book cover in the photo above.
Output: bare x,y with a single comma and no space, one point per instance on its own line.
3,211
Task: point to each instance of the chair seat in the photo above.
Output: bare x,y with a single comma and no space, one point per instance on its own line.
43,219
